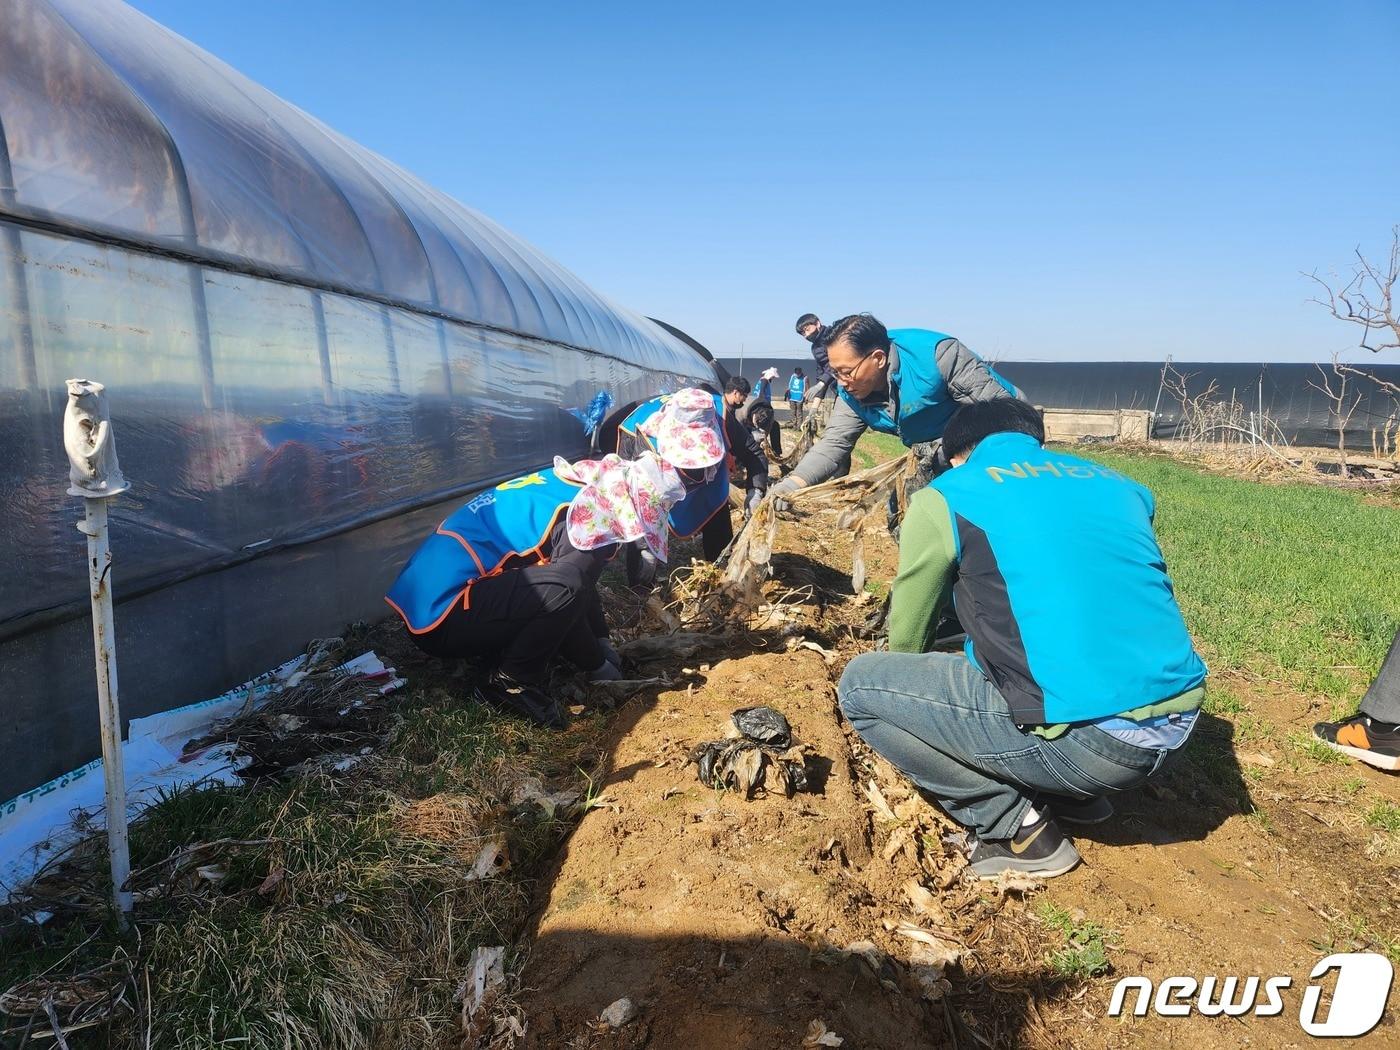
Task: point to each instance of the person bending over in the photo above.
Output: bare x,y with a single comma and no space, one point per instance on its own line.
700,435
512,575
905,381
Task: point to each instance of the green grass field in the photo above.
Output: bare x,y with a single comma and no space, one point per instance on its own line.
1293,583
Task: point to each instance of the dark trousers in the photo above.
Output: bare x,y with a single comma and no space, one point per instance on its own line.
1382,700
524,617
717,533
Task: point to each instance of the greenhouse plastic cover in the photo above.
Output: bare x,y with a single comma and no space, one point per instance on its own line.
308,354
116,126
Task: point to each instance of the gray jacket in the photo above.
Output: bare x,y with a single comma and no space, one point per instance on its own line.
968,378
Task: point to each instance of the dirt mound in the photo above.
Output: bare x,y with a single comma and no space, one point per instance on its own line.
723,919
734,923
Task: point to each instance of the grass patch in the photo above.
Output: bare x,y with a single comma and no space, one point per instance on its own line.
1384,816
1260,820
1358,933
1284,581
873,448
1223,702
1085,951
1314,749
348,917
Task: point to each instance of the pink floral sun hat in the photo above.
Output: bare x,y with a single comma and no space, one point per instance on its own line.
686,430
621,500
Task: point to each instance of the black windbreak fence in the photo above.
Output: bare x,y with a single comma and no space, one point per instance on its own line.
1286,393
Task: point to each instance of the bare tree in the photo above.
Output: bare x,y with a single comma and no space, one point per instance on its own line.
1206,418
1333,386
1367,299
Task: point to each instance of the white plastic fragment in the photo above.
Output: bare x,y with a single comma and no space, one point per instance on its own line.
620,1013
819,1035
485,973
492,860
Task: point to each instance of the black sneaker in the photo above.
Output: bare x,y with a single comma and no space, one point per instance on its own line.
1078,810
1040,850
1375,743
504,692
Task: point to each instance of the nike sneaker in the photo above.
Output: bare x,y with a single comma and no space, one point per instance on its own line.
1038,849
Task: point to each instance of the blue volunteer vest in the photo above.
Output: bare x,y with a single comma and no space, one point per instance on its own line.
690,515
918,389
512,520
797,387
1062,588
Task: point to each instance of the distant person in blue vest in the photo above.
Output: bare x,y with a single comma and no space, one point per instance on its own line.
1078,675
675,426
763,389
796,392
905,381
512,574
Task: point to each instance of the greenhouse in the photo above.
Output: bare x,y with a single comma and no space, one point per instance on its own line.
307,352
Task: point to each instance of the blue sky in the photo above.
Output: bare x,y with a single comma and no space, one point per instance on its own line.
1045,181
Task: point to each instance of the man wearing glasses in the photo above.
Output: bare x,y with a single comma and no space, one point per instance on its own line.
906,381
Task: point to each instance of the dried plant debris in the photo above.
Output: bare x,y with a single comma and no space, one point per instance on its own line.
757,756
55,1005
323,719
819,1035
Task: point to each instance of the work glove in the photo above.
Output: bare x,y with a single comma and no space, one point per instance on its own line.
784,488
642,569
815,394
751,501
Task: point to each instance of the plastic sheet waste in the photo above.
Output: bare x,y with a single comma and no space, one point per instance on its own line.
757,756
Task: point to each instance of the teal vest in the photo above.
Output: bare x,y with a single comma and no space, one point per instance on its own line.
918,390
1061,587
701,504
797,387
512,520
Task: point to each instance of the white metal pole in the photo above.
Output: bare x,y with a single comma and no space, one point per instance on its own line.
95,477
108,703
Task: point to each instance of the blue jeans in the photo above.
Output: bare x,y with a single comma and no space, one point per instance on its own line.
945,726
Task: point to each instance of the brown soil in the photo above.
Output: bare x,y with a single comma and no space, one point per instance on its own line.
734,923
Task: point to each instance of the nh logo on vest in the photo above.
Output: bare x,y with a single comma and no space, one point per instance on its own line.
1358,1000
1057,469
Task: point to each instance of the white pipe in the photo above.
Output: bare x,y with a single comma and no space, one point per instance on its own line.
108,704
96,477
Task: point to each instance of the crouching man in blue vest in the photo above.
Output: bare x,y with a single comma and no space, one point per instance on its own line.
512,575
1078,676
903,381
